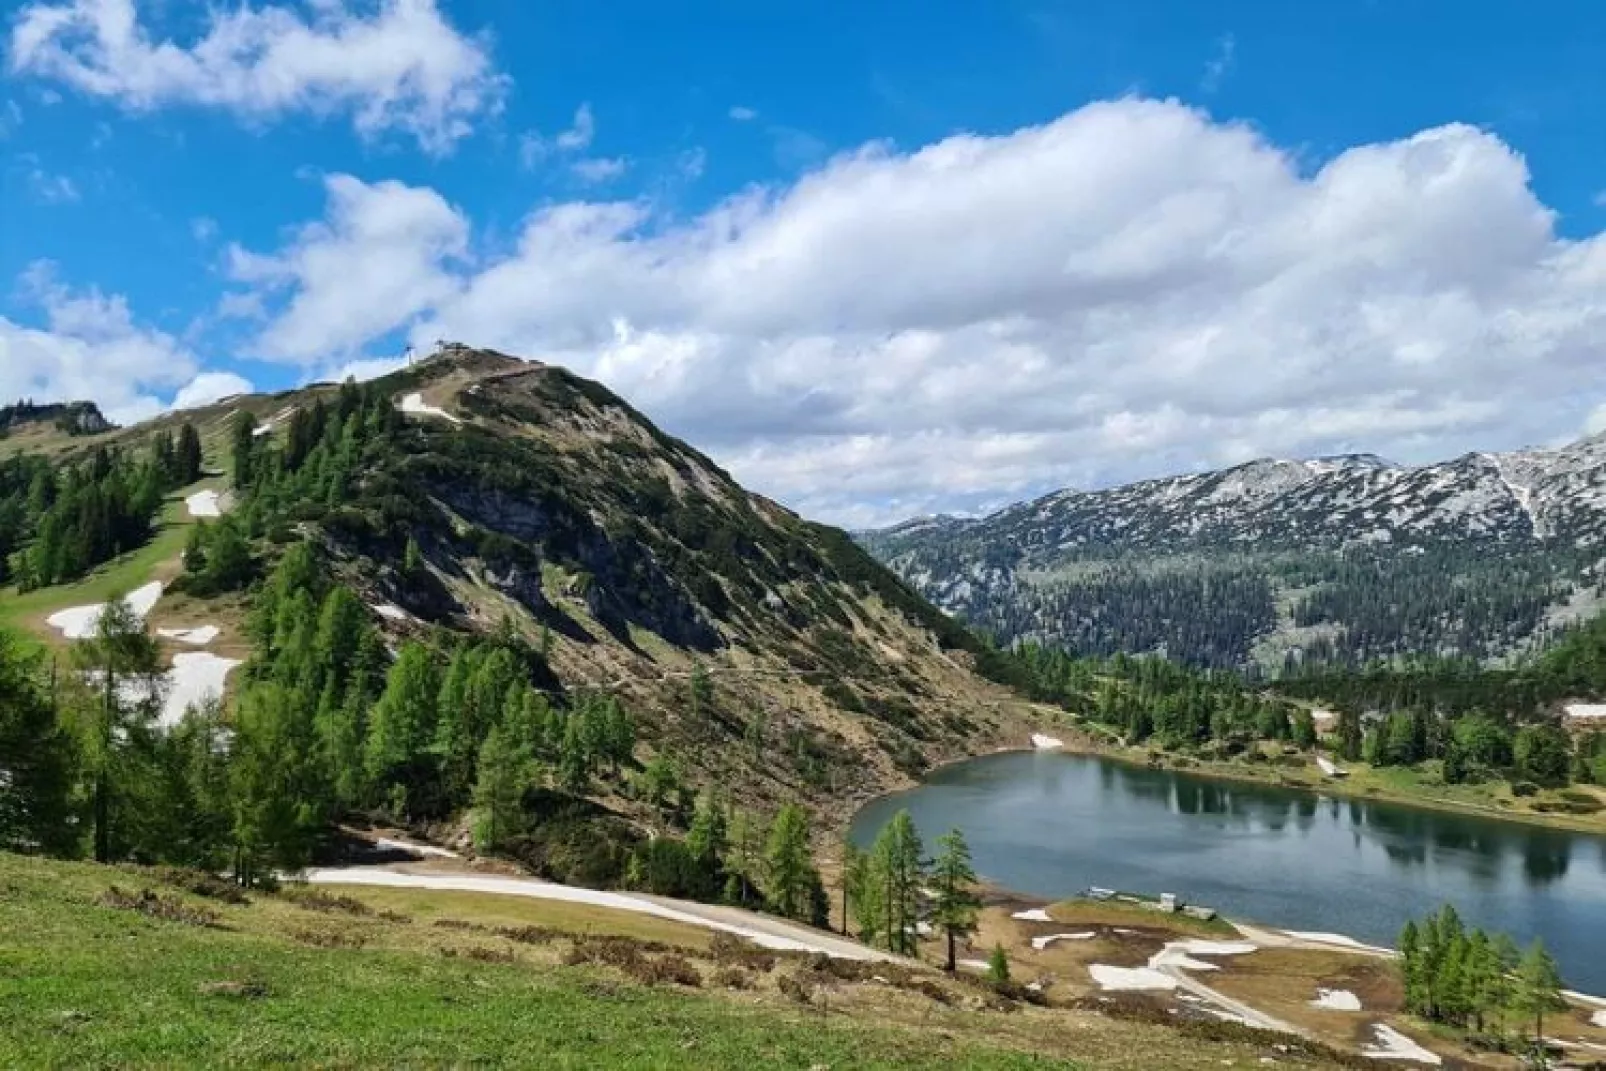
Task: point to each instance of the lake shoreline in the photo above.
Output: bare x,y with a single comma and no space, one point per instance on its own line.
1247,894
1084,743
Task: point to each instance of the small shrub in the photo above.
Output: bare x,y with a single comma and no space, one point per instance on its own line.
154,905
529,935
329,903
237,990
328,938
480,954
200,883
797,988
1523,789
457,924
396,917
731,978
626,953
671,968
728,950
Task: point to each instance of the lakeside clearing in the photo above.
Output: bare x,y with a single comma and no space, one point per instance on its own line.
1361,782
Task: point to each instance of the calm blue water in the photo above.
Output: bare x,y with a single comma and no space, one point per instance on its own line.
1051,824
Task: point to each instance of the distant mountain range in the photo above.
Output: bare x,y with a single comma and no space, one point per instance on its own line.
1338,558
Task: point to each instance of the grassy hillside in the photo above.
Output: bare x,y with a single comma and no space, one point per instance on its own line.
84,983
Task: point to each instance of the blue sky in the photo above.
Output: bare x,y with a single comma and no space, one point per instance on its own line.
1101,241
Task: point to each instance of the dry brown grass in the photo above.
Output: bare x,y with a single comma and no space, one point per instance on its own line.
154,905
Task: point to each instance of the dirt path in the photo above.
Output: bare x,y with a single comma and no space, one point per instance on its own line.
762,930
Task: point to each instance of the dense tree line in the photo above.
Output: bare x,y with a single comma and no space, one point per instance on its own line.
1476,724
1153,698
57,523
1474,980
1226,609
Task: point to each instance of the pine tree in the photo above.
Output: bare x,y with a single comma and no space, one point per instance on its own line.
499,791
706,839
403,720
1538,988
998,966
242,437
37,760
120,658
789,872
1413,968
953,878
188,455
894,883
276,786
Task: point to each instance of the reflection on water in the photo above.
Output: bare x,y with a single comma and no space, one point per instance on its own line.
1053,824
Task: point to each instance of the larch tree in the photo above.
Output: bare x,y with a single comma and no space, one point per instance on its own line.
894,884
1538,988
788,868
124,664
953,878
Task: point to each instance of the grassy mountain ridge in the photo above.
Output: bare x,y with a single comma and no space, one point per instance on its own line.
539,499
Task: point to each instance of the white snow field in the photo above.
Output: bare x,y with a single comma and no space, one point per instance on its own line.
415,405
199,637
78,623
1041,943
1336,1000
1393,1045
204,504
1034,914
196,676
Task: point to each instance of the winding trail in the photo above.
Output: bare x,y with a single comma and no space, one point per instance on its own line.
772,933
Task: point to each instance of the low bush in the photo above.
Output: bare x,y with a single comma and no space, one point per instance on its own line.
329,903
154,905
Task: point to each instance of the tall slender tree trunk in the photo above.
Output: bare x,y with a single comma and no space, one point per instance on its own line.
951,964
103,840
103,833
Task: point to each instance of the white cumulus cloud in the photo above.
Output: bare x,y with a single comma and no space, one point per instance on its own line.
1129,290
397,65
209,387
89,346
380,257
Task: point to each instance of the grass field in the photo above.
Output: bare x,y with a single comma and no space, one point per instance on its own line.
84,983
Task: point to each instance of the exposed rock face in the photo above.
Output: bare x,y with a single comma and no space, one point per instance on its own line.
74,418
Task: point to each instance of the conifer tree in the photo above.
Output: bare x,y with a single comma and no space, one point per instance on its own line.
954,878
37,760
894,883
123,662
788,869
1538,989
499,791
998,966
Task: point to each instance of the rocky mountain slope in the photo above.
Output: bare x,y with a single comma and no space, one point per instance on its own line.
767,653
1347,557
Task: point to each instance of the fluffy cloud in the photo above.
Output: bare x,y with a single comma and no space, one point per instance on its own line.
399,66
1130,290
381,257
209,387
89,347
